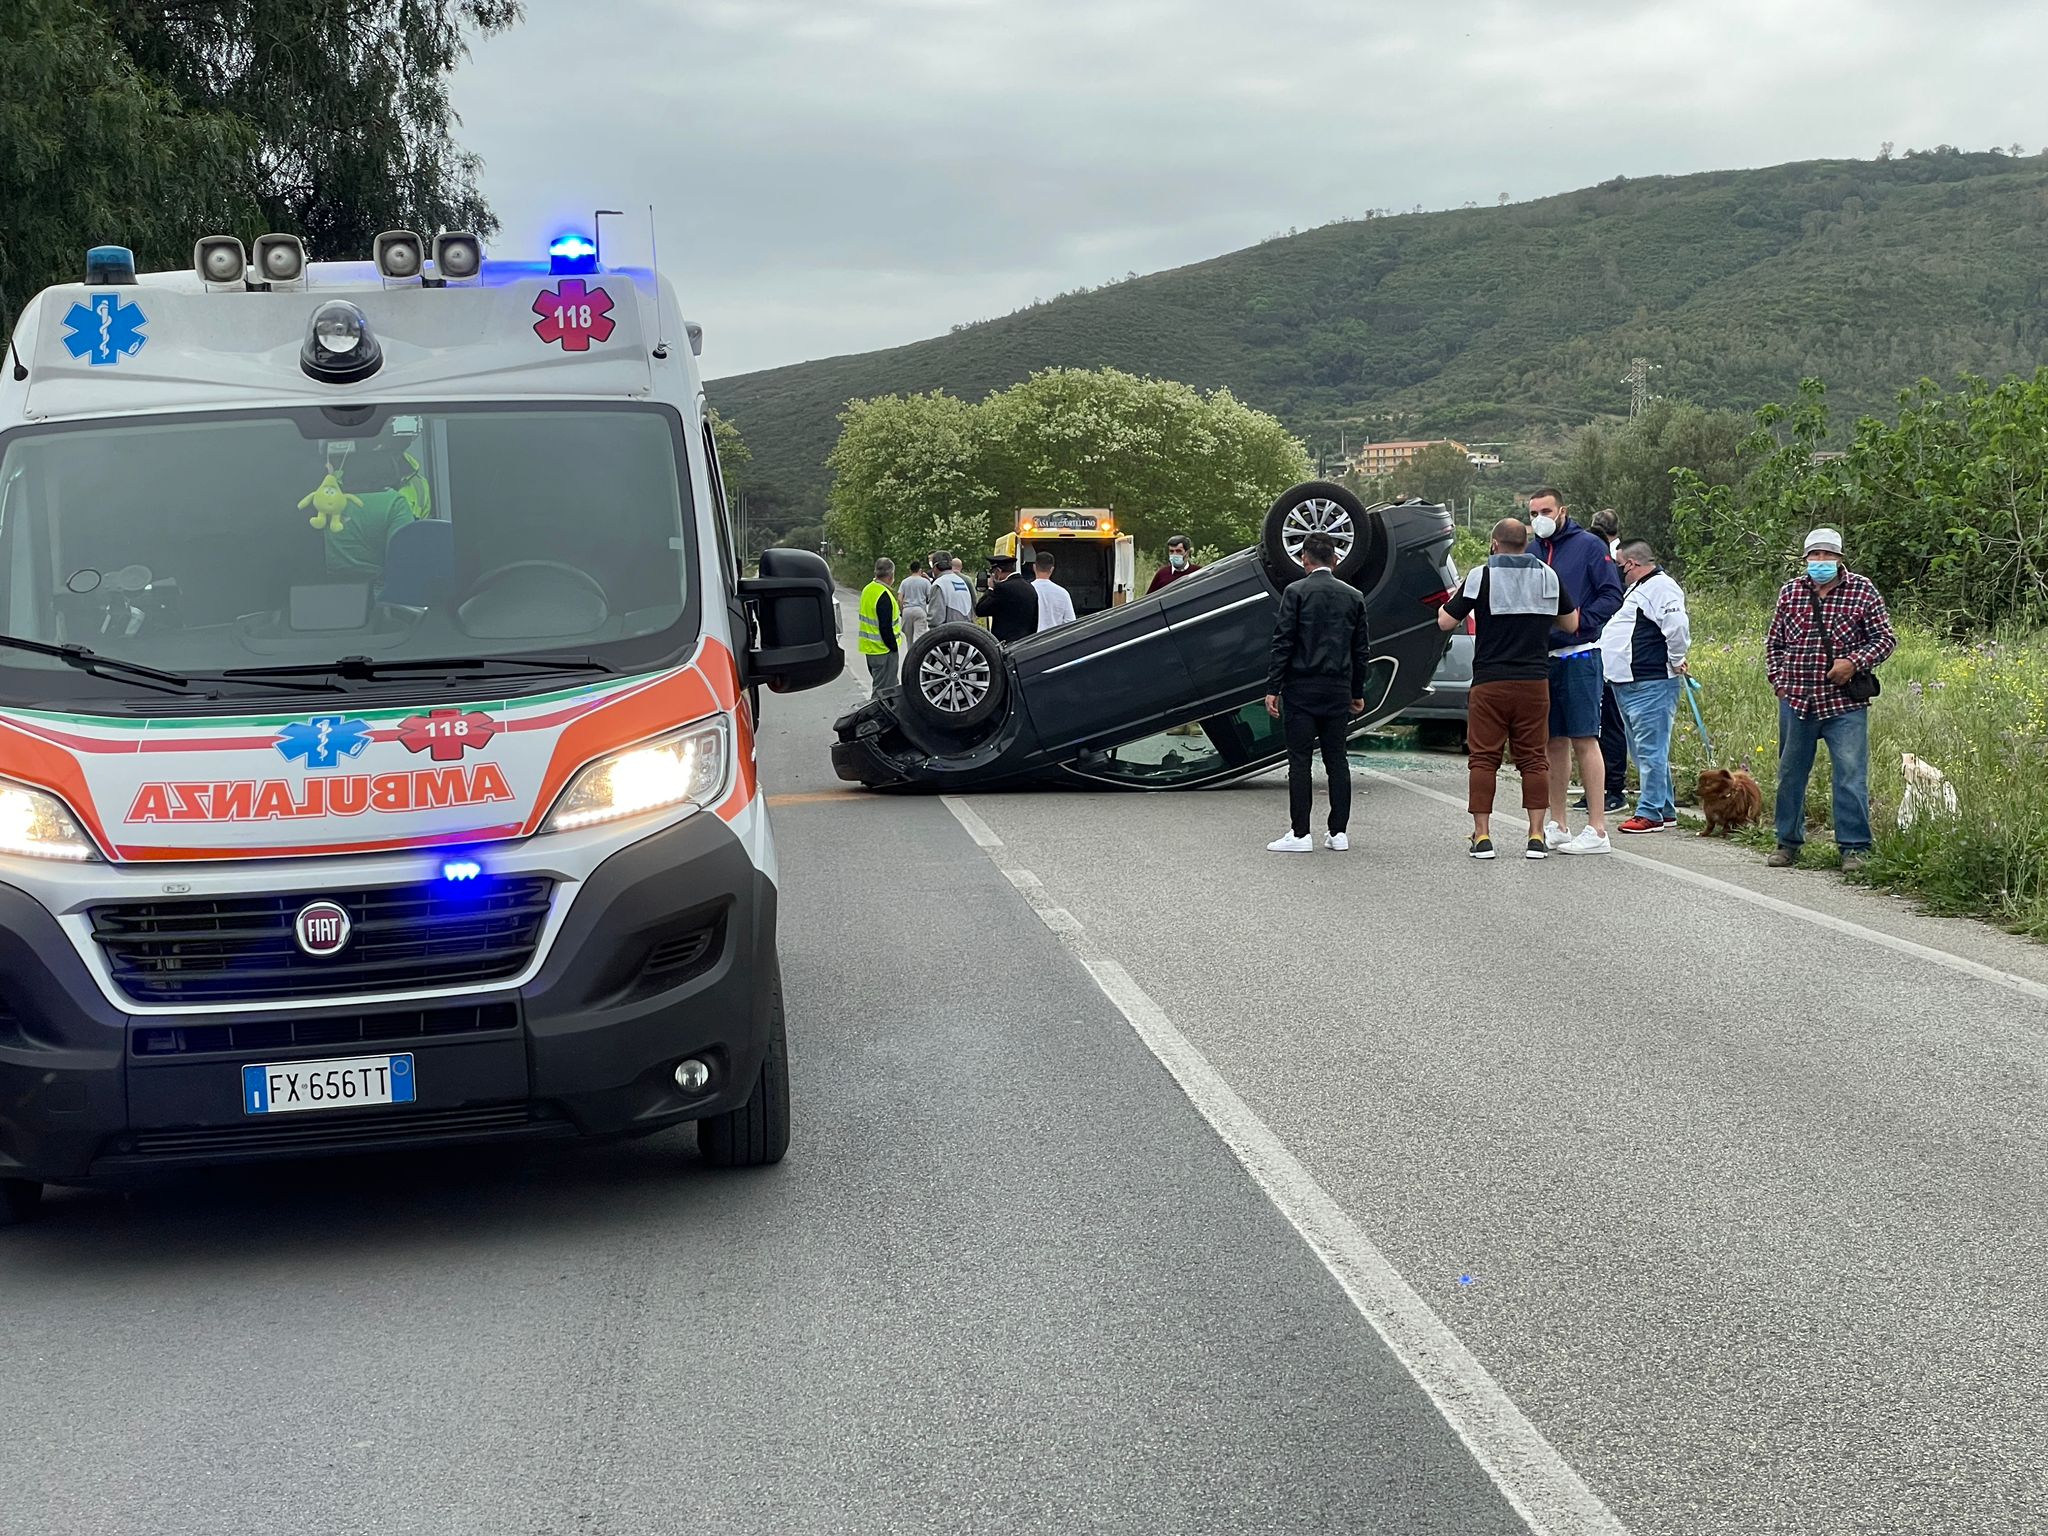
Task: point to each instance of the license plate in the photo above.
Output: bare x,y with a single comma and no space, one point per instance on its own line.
348,1083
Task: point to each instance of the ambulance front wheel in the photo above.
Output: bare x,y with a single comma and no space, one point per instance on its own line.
757,1133
20,1199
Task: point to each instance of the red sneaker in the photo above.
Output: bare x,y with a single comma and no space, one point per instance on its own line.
1643,824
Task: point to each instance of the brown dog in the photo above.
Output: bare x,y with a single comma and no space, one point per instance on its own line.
1731,799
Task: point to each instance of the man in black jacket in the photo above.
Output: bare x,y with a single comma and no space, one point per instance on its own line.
1010,604
1320,653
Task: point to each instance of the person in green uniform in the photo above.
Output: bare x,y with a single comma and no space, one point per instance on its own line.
390,490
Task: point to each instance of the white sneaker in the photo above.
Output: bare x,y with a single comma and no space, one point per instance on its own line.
1587,841
1291,844
1555,835
1337,842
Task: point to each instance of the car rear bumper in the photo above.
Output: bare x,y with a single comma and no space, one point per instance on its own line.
1444,701
667,952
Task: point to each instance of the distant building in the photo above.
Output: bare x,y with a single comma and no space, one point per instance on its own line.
1376,460
1483,460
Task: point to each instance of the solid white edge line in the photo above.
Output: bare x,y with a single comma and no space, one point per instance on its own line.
1537,1482
979,830
1848,927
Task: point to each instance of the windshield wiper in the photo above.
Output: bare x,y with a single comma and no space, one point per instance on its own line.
364,669
101,666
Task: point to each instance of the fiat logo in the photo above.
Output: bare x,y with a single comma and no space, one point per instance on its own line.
322,928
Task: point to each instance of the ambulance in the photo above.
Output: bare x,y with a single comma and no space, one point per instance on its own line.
378,693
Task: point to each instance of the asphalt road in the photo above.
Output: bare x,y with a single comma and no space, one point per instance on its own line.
1730,1186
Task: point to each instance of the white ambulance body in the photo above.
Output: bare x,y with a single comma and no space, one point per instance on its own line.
376,722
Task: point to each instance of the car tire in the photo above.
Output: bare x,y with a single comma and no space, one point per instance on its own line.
1318,506
954,678
757,1133
20,1199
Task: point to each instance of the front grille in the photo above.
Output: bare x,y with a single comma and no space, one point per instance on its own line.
243,949
320,1133
386,1027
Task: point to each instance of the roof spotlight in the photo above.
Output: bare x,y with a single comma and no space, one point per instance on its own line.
219,260
340,347
280,258
458,255
400,254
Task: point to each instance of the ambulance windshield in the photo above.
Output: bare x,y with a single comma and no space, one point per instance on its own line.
281,540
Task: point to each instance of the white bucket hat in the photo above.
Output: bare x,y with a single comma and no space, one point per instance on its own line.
1823,538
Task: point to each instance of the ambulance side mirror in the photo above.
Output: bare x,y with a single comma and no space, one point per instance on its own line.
796,642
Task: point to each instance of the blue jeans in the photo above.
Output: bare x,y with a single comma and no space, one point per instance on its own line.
1848,739
1649,707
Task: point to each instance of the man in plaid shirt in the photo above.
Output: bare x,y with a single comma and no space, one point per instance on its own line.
1808,669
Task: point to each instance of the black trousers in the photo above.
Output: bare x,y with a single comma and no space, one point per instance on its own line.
1307,726
1613,744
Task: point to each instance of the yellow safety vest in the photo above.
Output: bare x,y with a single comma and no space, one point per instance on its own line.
871,619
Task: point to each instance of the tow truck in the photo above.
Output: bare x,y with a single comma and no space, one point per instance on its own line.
378,691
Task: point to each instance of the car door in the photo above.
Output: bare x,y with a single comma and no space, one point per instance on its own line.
1222,623
1109,677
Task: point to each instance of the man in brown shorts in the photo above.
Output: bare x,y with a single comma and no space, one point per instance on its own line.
1513,600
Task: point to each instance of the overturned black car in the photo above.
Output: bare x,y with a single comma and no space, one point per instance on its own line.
1108,701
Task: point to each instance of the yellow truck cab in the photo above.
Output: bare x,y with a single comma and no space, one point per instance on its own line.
377,711
1091,559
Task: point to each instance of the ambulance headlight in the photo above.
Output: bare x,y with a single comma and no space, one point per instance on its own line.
219,259
340,346
280,258
38,824
684,768
458,256
400,253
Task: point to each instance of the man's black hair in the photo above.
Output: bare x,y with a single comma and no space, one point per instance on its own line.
1043,561
1551,491
1181,539
1321,548
917,567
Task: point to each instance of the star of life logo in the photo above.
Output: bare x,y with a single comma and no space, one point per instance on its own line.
325,741
104,329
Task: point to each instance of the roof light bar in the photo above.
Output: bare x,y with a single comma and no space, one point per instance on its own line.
109,266
401,256
572,255
220,261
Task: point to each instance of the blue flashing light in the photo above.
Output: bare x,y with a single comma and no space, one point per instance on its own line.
572,255
109,265
459,870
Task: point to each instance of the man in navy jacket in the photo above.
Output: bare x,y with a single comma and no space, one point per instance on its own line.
1585,569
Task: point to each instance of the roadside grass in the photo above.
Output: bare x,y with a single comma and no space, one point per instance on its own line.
1979,712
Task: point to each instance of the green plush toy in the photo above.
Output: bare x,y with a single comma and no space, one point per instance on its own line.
329,502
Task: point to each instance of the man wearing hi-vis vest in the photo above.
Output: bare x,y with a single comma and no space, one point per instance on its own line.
878,628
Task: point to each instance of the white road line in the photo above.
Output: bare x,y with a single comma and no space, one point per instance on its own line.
976,827
2025,986
1537,1482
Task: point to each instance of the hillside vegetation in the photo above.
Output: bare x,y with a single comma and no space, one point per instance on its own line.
1499,322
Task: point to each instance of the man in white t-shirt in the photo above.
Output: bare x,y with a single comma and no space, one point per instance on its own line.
1055,603
952,599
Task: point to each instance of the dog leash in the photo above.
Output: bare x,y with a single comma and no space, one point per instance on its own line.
1692,697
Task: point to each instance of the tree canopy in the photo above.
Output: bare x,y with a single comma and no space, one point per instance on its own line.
151,122
1161,456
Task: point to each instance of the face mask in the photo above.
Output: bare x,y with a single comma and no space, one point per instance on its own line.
1822,571
1177,560
1544,526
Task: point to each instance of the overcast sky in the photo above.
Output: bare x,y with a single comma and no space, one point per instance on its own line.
835,175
